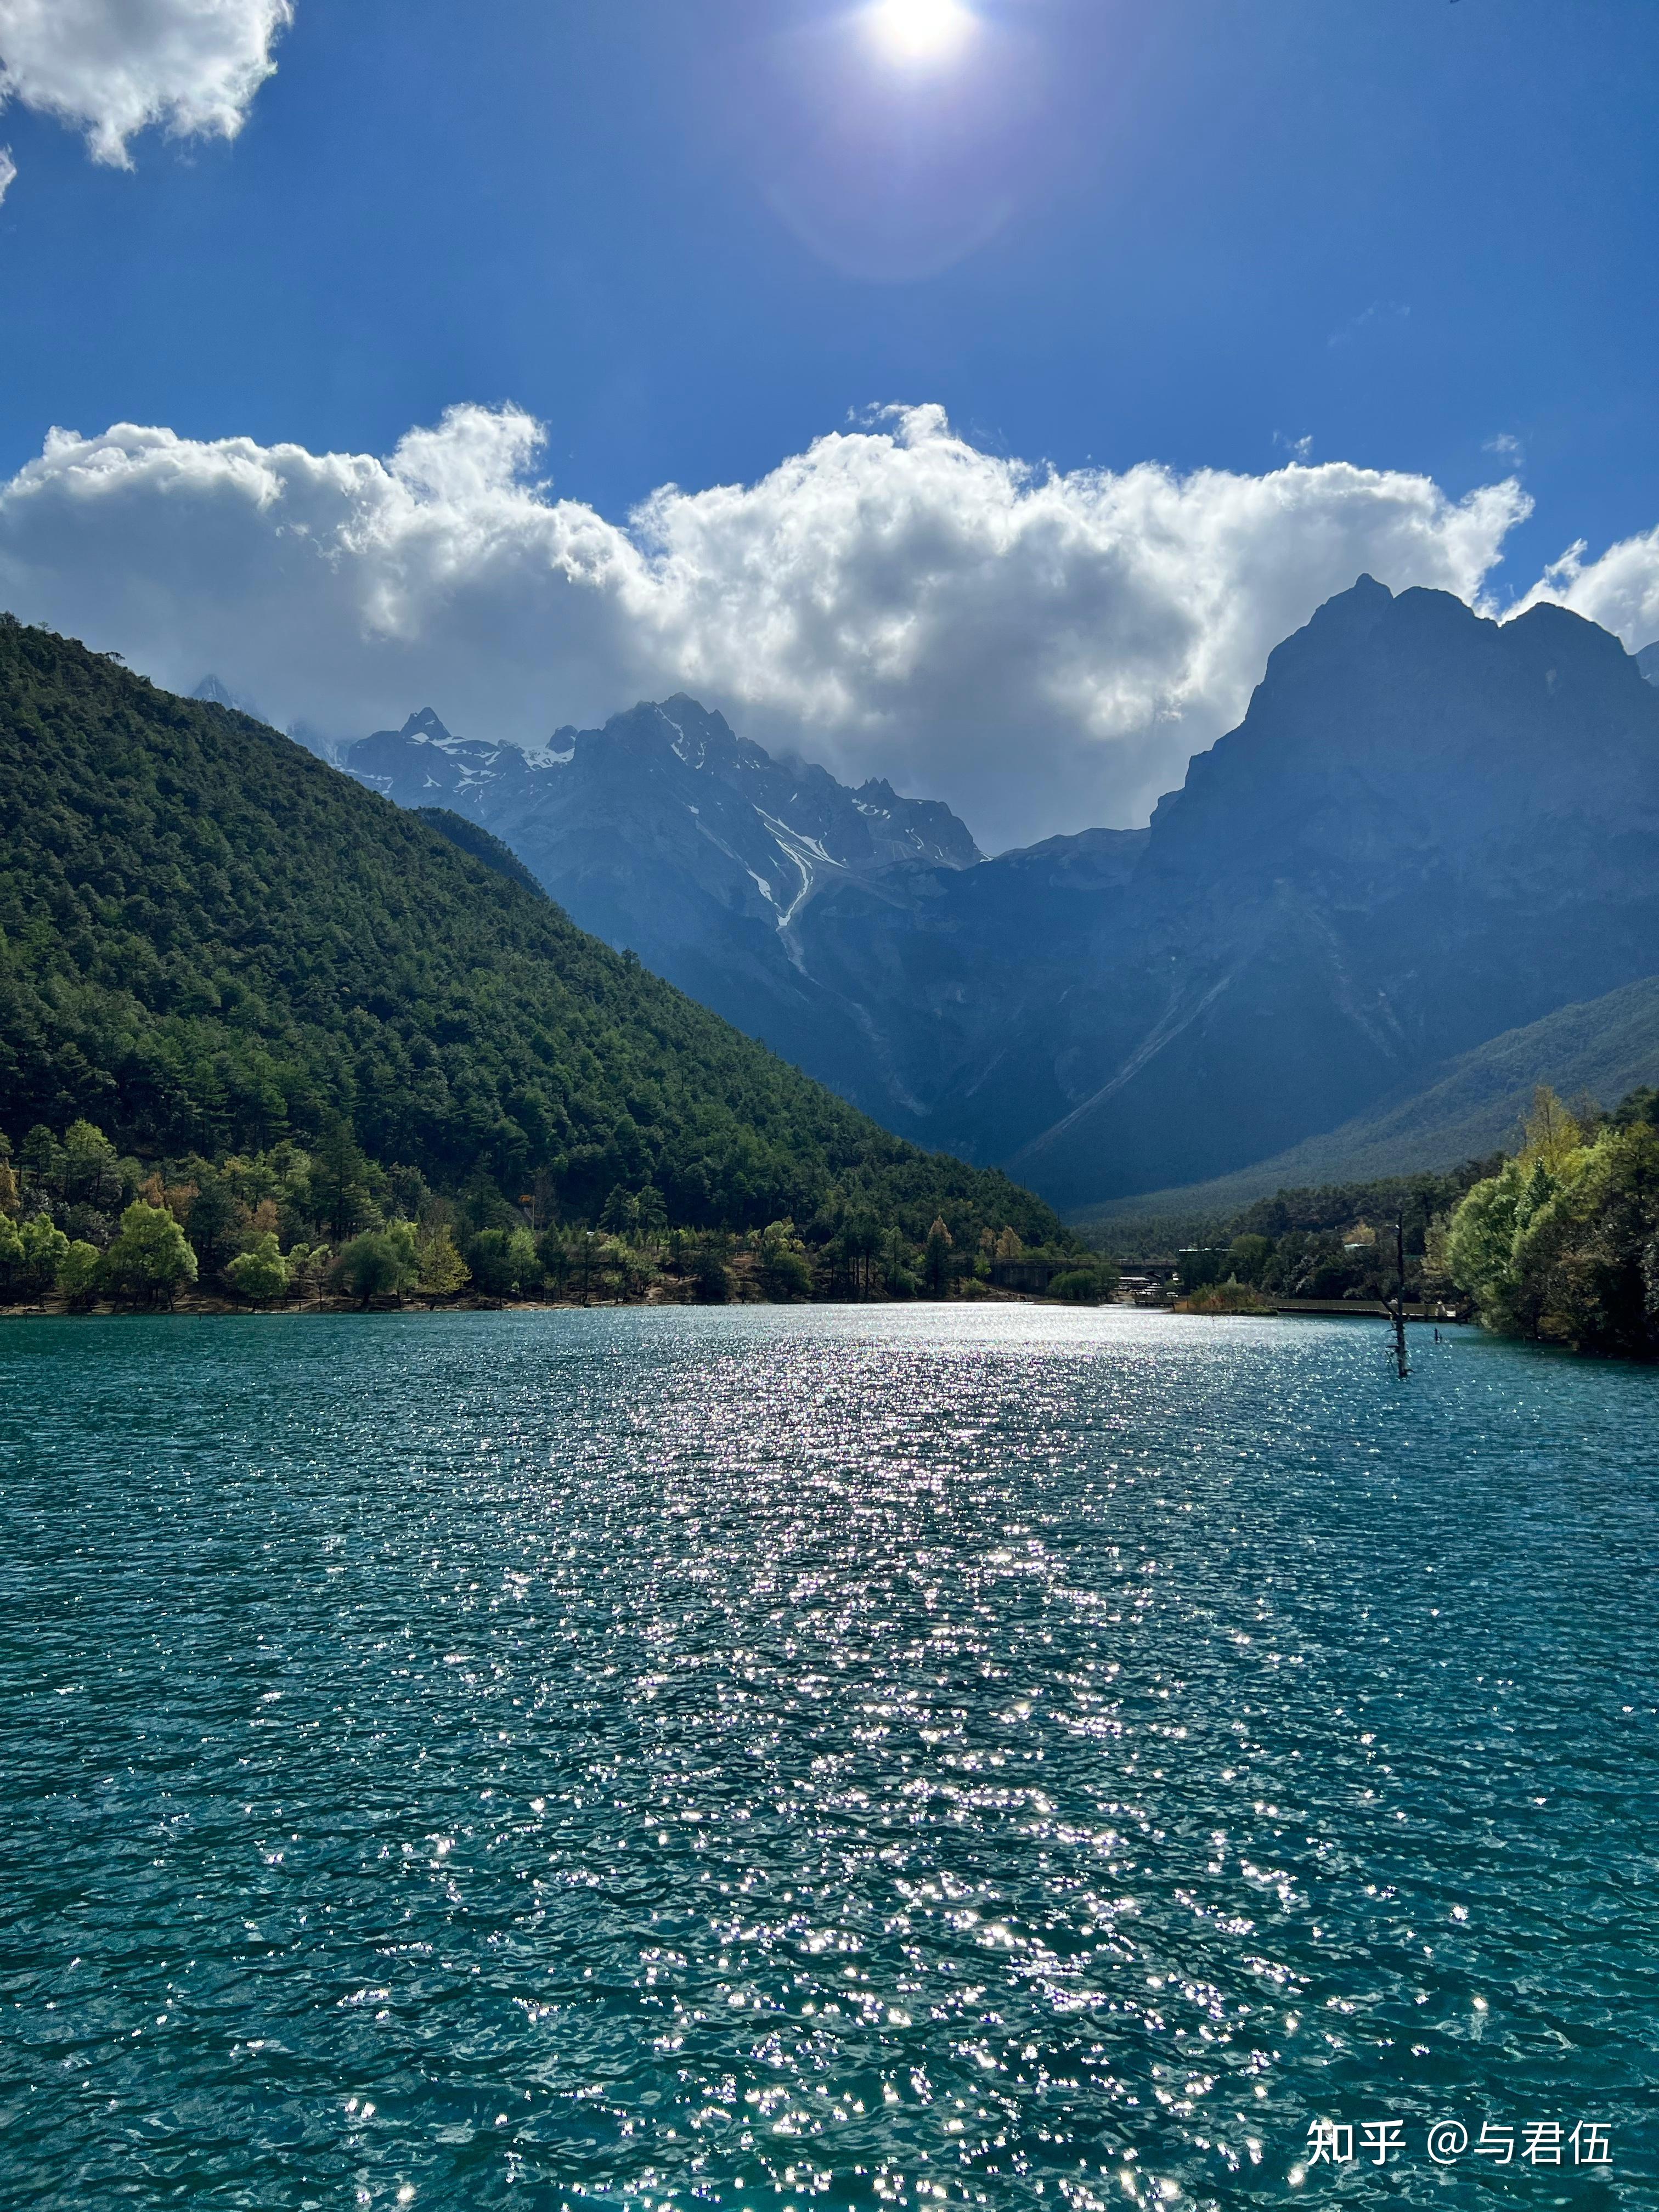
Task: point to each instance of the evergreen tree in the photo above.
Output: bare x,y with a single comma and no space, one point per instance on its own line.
340,1196
491,1266
553,1251
89,1168
442,1270
621,1213
936,1258
213,1222
710,1272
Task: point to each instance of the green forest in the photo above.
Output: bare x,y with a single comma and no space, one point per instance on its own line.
227,971
86,1224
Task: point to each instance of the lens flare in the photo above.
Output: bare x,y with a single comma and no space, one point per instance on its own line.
918,32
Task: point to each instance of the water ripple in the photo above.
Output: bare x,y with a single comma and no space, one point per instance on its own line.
649,1760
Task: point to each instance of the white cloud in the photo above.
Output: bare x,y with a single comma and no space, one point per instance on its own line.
1381,315
1620,590
8,171
113,67
1042,650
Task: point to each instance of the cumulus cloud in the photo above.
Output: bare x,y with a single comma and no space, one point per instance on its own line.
1620,590
1043,650
112,68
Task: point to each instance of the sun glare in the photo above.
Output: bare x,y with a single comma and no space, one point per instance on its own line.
918,32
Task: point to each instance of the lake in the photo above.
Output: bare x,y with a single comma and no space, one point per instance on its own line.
988,1756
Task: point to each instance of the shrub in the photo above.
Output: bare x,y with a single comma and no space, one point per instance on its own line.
1228,1298
260,1274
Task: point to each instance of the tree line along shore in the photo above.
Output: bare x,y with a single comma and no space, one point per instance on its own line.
1558,1243
86,1229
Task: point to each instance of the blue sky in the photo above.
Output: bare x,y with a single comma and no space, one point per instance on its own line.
1197,233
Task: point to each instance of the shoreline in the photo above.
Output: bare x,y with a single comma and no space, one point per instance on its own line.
380,1308
227,1309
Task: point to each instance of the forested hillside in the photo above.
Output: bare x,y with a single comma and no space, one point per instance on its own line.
211,942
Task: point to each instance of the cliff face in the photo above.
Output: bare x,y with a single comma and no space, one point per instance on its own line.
1429,828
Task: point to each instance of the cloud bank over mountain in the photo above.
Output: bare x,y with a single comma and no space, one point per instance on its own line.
112,68
1042,650
1620,590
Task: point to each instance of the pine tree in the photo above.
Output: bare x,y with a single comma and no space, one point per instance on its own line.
339,1183
442,1270
936,1258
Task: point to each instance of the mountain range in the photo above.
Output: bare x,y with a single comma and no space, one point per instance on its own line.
1431,828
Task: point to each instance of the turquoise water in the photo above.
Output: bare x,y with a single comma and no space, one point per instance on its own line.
992,1757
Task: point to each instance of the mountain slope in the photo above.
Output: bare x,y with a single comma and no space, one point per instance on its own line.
665,833
1607,1048
209,939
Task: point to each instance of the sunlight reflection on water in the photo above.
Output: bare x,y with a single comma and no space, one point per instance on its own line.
980,1756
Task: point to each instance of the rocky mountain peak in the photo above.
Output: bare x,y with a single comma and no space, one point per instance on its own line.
426,726
1399,721
213,691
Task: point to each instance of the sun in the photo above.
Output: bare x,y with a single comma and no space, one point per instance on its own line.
918,32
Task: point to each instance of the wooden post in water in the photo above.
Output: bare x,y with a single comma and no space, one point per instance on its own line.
1399,1294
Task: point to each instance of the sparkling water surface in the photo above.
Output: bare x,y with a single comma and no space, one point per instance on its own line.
1000,1757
